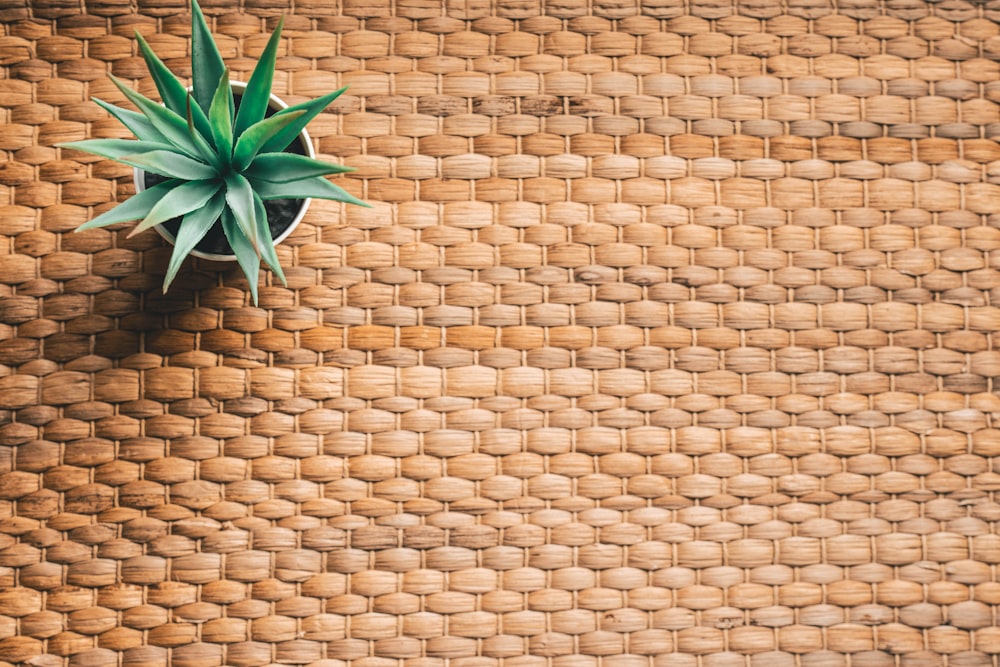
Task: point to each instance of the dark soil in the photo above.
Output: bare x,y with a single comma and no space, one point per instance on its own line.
280,212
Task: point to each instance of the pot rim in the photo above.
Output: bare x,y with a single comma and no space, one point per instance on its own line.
274,102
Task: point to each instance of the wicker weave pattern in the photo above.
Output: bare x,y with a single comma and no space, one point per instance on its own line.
670,341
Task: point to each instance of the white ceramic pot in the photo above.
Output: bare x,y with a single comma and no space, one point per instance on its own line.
275,103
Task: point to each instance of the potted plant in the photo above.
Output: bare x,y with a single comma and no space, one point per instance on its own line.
218,164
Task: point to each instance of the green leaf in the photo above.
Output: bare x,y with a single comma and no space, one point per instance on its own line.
169,124
136,123
251,141
134,208
258,92
207,67
285,167
171,90
246,254
173,93
239,197
317,187
171,164
311,109
267,250
221,116
193,228
162,159
115,149
182,199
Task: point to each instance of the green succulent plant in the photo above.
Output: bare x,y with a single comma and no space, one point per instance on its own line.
221,160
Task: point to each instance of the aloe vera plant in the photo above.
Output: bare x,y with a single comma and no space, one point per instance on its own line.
220,160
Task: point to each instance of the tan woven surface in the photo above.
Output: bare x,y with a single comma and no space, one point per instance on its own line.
670,341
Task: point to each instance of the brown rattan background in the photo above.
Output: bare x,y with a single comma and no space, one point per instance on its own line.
669,341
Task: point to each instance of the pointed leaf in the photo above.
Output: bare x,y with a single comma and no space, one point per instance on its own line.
221,117
188,116
311,109
170,164
184,198
115,149
267,250
245,253
169,124
193,228
206,62
239,197
171,90
255,98
134,208
285,167
136,123
251,141
317,187
173,93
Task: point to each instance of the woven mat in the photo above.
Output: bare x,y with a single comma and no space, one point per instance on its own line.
670,340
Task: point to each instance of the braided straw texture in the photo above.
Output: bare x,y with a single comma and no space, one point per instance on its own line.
670,341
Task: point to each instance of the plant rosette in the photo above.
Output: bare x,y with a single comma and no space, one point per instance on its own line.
283,215
218,164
